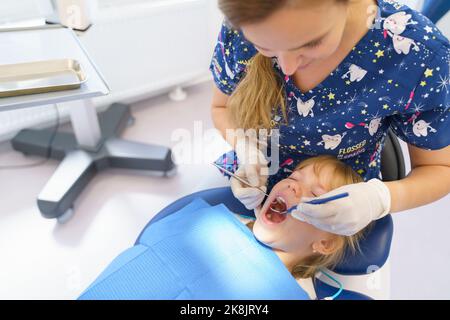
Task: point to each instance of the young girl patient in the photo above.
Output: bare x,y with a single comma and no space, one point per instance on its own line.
202,251
302,247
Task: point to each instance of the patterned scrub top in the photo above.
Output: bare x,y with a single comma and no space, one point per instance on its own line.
396,76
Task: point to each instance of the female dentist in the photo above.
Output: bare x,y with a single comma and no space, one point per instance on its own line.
333,76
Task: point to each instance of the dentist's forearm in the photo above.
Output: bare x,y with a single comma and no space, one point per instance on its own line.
423,185
222,123
220,115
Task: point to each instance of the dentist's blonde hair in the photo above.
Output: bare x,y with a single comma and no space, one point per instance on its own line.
260,94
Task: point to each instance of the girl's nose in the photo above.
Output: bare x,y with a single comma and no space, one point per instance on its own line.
295,189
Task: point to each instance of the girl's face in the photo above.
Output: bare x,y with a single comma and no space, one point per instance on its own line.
299,37
291,234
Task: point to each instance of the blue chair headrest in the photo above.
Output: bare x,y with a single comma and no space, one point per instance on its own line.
375,246
435,9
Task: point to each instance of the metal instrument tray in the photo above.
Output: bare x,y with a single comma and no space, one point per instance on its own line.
40,76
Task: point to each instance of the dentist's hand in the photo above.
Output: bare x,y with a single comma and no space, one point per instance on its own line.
250,197
367,201
253,167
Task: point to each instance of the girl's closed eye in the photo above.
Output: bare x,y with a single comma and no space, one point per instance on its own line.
314,44
294,178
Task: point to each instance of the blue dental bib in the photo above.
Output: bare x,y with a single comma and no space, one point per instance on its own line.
200,252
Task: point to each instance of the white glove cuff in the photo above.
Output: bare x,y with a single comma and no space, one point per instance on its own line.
384,194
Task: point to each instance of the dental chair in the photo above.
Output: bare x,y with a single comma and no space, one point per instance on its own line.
364,276
435,9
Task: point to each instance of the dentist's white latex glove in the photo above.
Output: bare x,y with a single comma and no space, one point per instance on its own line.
367,201
250,197
253,167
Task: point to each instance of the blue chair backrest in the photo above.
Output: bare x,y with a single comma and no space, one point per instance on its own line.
435,9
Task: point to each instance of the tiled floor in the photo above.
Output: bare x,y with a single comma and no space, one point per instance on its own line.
41,259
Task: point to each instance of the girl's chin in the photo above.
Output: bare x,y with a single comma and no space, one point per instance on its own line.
264,234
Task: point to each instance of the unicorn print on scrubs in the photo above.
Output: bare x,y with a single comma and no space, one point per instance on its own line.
217,66
394,26
331,142
374,125
420,128
390,74
356,73
305,108
227,68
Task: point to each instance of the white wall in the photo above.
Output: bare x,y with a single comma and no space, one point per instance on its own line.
143,48
132,53
13,10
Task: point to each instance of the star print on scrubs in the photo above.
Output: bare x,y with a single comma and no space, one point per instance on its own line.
396,76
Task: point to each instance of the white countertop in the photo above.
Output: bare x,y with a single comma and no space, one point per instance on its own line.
46,43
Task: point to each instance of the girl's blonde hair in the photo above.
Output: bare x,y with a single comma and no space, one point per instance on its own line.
342,175
260,94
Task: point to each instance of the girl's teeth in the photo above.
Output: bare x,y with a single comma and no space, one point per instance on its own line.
278,206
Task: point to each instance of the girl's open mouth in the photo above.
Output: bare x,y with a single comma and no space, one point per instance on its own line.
273,215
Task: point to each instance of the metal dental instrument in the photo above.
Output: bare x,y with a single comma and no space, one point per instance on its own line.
238,178
279,199
319,201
